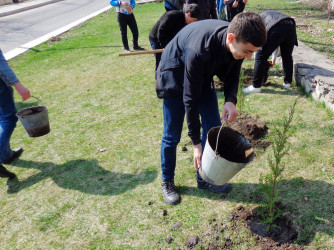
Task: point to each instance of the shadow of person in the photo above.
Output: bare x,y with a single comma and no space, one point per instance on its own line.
82,175
309,202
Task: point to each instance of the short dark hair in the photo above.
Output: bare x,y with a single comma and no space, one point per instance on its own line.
193,9
249,27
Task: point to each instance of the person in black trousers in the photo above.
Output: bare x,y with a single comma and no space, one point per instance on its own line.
169,25
234,7
125,17
281,33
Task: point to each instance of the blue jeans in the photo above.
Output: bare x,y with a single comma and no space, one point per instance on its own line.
8,119
157,56
173,115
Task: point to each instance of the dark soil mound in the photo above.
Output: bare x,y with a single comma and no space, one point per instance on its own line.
252,129
279,237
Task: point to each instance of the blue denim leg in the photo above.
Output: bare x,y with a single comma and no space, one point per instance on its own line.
173,115
8,119
157,56
209,112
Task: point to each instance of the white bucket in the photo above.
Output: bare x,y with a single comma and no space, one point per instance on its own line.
217,170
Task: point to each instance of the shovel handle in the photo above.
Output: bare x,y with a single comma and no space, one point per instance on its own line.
132,53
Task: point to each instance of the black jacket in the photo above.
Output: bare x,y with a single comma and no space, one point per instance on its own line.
272,17
167,27
188,64
208,8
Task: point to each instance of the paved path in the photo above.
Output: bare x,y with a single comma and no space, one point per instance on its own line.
12,9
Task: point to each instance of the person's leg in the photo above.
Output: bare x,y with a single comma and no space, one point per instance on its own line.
209,113
8,120
135,33
273,41
286,52
233,11
241,7
229,11
157,56
122,20
210,118
173,115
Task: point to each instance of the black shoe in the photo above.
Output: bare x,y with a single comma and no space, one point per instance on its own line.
169,193
137,47
16,154
202,184
5,173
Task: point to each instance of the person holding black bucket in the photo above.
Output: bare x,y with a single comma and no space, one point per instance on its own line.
185,83
8,117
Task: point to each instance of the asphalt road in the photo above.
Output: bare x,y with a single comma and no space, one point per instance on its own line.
20,29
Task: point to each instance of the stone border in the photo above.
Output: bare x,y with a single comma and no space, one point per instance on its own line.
315,72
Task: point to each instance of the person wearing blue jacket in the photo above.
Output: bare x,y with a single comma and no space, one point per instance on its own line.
8,117
125,17
185,74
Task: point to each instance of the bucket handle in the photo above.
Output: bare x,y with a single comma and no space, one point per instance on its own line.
218,137
38,100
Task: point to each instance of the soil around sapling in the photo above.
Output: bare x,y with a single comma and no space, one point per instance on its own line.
280,237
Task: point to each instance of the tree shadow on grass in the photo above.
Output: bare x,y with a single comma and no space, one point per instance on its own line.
82,175
309,202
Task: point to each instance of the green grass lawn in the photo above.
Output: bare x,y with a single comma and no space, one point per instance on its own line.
94,181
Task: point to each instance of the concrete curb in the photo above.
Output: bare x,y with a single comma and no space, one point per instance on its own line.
18,10
33,6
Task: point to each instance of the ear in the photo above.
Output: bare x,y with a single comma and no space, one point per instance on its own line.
230,37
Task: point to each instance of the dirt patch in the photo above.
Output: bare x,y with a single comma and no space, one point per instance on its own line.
280,237
252,129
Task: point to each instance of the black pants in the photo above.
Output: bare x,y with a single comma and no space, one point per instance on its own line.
124,21
232,12
283,35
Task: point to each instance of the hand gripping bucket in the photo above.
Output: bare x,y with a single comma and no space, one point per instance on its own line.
35,120
226,152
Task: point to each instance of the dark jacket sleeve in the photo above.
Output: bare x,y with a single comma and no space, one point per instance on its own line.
166,30
231,82
193,80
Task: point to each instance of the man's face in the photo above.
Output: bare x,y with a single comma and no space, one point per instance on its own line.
240,50
189,19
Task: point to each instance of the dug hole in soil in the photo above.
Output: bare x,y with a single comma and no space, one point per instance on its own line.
280,236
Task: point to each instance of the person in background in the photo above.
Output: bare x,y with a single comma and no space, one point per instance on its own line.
234,7
8,117
169,25
208,8
125,17
173,4
281,33
221,10
198,52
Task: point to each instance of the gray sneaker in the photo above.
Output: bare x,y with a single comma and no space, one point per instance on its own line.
169,193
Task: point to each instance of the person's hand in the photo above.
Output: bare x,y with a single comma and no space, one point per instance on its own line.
272,63
23,91
129,9
198,151
235,4
245,1
230,112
